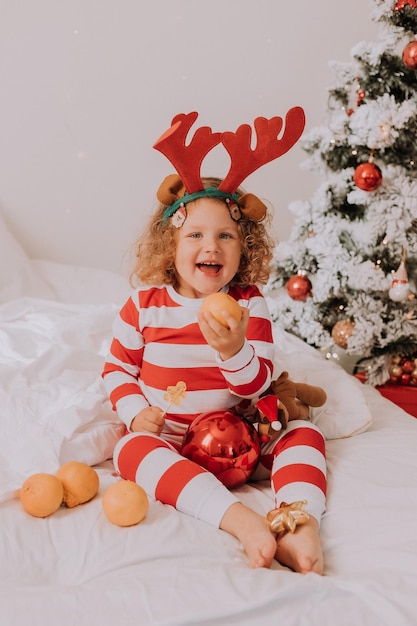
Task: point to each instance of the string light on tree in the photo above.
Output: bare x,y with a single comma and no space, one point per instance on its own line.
341,357
357,98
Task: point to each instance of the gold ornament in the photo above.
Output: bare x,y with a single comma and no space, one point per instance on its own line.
341,332
287,517
396,371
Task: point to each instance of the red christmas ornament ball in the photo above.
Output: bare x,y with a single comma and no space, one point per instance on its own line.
408,367
299,287
409,55
225,444
400,4
367,176
403,371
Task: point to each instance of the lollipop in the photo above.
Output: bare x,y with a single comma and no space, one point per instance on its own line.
175,394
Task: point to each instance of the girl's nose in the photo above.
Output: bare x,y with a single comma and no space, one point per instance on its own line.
211,244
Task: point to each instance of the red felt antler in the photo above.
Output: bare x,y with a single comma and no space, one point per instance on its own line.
187,160
244,160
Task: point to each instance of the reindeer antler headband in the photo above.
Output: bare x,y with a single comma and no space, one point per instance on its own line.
178,189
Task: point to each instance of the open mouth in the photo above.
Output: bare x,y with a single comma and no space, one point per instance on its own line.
211,269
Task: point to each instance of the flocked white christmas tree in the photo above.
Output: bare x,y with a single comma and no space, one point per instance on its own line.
345,281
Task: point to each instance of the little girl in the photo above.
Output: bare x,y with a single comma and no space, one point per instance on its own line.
194,248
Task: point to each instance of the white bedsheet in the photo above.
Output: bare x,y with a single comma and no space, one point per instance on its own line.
74,568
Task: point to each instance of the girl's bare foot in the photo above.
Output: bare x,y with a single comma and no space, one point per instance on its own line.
253,532
301,550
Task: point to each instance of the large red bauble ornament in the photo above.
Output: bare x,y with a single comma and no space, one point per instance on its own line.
225,444
409,55
367,176
299,287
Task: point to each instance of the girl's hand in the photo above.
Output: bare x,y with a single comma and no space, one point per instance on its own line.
148,420
226,341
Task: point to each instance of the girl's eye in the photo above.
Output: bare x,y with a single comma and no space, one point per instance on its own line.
225,236
195,235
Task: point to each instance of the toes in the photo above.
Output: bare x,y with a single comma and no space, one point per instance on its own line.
264,556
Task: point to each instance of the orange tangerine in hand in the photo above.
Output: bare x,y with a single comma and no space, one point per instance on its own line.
41,494
125,503
218,302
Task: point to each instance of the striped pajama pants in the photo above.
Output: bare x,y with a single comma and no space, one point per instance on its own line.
295,463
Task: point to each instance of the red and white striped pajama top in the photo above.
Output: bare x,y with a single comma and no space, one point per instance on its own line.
156,343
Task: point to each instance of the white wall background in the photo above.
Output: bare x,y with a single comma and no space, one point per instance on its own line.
87,86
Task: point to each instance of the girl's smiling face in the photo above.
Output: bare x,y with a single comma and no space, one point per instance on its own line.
208,249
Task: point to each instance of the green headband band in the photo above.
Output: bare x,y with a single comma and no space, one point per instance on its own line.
209,192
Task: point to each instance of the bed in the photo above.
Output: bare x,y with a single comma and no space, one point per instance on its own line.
75,568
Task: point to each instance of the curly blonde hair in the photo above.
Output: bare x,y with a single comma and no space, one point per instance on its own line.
155,250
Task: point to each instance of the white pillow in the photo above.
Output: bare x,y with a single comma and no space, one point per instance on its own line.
346,411
53,407
18,277
87,285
